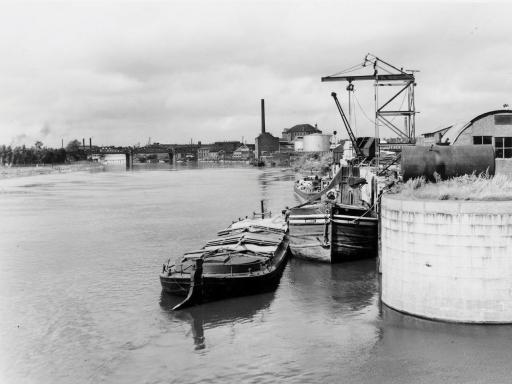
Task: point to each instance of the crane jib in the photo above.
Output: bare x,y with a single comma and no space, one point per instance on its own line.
351,135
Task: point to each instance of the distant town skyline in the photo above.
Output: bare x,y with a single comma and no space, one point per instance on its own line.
174,71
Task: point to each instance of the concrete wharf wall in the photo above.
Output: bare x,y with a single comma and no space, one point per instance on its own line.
447,260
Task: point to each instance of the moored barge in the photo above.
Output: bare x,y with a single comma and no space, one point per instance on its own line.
246,258
332,233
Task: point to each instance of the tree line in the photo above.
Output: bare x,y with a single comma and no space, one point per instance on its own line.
39,154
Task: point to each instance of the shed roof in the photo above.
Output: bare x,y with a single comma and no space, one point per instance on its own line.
454,131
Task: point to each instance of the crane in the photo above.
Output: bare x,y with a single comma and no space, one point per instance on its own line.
386,74
359,152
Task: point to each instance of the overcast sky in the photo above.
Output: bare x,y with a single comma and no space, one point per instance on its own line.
174,71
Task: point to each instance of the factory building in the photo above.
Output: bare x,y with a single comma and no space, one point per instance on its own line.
265,144
493,127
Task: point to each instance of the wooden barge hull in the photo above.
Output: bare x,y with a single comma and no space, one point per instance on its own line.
218,286
353,238
307,237
343,235
223,287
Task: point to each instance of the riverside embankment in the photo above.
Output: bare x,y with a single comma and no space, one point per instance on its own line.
47,169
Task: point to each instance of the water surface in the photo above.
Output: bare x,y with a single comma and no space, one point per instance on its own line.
80,300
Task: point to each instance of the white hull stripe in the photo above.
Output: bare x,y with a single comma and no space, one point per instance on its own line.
308,221
359,218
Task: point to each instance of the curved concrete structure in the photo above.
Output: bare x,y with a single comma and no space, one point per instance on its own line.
447,260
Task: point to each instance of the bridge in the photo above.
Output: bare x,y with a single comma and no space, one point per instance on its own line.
166,152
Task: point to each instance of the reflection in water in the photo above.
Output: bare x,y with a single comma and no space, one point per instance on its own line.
214,314
271,180
346,287
274,189
271,176
425,351
103,323
191,165
355,284
406,323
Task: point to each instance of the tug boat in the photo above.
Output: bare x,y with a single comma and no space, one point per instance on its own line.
309,187
246,258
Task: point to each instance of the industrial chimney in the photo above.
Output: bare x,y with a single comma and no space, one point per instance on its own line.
262,115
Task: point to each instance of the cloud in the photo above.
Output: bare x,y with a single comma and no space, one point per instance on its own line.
123,72
45,130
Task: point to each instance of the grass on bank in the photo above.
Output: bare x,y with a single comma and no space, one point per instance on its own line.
468,187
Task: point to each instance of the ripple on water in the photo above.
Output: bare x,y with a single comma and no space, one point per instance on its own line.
80,256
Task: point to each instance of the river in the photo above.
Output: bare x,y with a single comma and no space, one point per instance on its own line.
80,299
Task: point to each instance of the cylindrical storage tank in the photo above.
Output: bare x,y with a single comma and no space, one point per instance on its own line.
447,259
298,144
316,143
447,160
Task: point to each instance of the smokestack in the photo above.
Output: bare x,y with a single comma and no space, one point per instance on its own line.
83,143
262,115
90,144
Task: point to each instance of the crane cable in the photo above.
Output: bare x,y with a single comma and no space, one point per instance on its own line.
354,115
369,119
362,110
375,63
383,68
350,69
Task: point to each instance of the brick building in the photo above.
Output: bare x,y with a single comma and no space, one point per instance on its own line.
266,144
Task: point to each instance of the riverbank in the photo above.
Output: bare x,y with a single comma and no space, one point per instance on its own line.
312,163
25,171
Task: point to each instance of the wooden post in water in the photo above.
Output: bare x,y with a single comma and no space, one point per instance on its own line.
262,210
129,159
